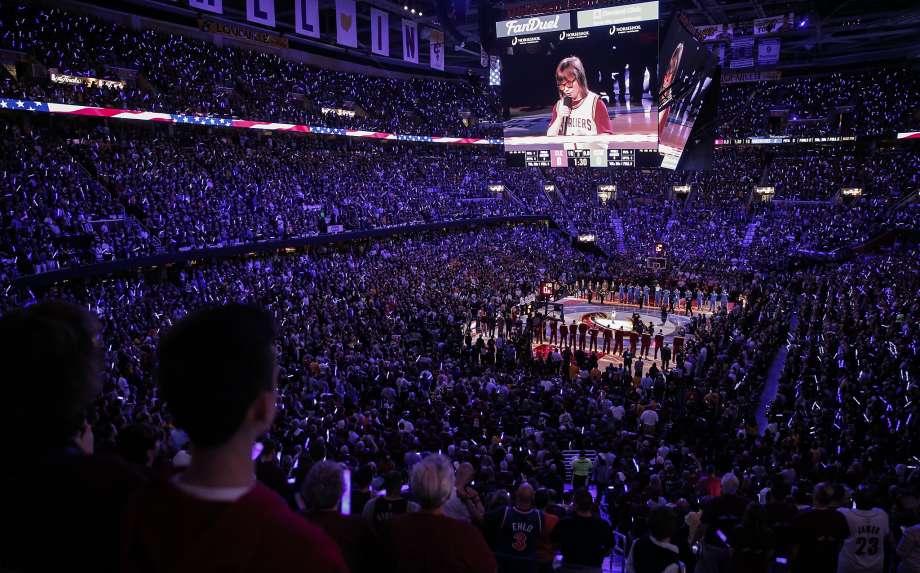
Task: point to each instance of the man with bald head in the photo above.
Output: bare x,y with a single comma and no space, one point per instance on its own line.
515,532
819,533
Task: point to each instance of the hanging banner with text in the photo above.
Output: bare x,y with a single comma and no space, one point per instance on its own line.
243,32
261,12
380,32
306,17
410,41
213,6
436,43
742,53
768,51
346,23
741,77
716,32
774,25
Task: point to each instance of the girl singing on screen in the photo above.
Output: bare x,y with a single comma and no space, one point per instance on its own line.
667,86
579,111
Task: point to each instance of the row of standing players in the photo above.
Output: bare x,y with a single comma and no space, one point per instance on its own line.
600,292
584,336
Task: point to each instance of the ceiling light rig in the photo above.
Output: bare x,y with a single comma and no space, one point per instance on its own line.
413,11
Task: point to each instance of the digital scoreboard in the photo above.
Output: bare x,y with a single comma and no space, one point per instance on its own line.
582,158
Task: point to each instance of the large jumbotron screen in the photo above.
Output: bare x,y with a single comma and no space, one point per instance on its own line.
688,79
580,88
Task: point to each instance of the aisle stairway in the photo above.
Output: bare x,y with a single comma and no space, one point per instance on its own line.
773,375
750,234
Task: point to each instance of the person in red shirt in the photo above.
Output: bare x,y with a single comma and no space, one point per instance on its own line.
217,374
646,343
593,331
678,345
428,541
582,335
608,335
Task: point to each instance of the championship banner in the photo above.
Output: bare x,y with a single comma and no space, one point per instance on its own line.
436,45
742,53
306,17
261,12
715,32
346,23
214,6
768,52
380,32
710,33
774,24
410,41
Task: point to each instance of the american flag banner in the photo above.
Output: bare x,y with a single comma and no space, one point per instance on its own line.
211,121
24,105
495,71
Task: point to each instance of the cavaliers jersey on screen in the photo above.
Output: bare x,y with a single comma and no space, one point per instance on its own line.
863,550
581,121
519,534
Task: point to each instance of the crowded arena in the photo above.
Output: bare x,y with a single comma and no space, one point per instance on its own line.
587,286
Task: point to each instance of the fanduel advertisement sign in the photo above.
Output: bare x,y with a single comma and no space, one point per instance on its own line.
533,25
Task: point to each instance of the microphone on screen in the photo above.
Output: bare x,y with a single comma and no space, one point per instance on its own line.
566,110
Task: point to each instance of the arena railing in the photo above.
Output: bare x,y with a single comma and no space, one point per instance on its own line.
173,257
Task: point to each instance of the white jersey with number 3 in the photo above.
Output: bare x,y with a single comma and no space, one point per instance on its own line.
864,549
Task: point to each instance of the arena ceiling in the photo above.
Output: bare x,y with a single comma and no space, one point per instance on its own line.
828,33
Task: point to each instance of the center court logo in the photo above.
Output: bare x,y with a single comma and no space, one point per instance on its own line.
574,35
